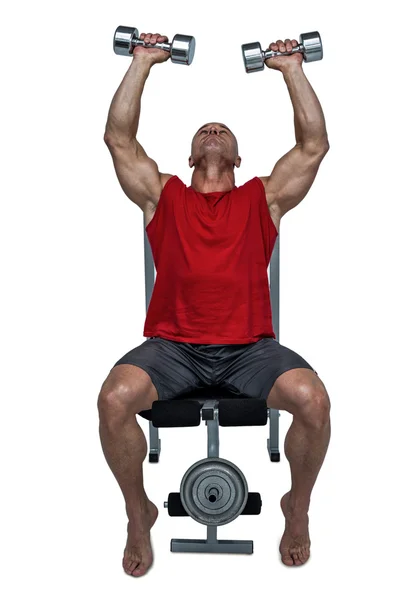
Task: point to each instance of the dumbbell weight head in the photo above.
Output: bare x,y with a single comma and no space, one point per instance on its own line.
254,56
123,37
181,48
312,45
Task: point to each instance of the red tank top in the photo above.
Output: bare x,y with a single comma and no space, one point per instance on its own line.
211,253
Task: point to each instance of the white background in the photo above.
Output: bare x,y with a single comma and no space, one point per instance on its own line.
73,294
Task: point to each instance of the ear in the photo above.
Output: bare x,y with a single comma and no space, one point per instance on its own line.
238,161
191,163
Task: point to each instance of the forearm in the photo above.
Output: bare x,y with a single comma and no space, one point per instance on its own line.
309,119
124,113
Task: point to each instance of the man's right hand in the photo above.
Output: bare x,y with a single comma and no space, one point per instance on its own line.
153,55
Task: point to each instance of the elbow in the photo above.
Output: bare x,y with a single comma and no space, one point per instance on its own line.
110,135
107,138
325,143
113,139
322,146
316,148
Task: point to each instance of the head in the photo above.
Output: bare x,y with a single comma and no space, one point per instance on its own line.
215,143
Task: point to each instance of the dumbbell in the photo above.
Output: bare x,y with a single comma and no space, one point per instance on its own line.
254,57
181,48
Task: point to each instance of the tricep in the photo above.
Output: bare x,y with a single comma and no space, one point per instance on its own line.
138,174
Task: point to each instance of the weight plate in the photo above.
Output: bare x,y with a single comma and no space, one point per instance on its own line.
312,46
253,57
214,491
182,49
123,40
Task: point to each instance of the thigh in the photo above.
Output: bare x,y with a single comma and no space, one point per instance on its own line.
168,365
258,367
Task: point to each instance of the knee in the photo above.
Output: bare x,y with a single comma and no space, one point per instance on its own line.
313,404
117,403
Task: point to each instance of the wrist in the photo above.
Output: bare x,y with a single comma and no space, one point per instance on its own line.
142,61
292,68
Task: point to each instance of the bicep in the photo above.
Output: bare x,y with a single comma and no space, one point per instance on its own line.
137,174
293,176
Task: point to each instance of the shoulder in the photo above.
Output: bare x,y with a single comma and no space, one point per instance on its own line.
151,207
270,197
264,181
270,201
258,182
165,177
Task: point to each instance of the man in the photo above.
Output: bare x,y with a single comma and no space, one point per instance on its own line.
209,320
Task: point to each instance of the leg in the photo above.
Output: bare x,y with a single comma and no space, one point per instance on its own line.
302,393
126,391
167,370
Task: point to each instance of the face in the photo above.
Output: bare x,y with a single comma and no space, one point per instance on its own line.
214,138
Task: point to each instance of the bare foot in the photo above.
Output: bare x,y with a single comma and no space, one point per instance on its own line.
138,554
295,544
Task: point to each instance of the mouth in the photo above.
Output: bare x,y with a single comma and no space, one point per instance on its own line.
210,137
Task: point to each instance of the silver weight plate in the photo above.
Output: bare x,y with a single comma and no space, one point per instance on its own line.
182,49
312,46
214,491
253,57
123,40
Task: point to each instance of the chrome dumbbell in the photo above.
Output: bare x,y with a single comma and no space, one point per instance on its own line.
181,48
254,57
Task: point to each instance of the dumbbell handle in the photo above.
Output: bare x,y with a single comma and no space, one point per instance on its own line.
161,45
271,53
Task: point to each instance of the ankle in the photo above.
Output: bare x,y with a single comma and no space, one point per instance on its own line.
137,509
298,507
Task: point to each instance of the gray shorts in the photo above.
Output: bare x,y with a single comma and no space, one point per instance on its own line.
177,368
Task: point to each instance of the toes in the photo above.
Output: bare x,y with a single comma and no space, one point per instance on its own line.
301,556
135,567
296,559
141,569
287,560
130,565
306,555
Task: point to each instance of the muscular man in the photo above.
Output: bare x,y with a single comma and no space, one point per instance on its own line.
209,320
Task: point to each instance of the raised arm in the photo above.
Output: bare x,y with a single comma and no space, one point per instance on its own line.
295,172
137,173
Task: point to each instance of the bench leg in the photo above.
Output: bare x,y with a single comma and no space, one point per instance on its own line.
273,440
155,444
212,545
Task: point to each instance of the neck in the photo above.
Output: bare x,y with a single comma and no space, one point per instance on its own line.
212,179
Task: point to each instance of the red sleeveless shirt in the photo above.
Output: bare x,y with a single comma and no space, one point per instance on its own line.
211,253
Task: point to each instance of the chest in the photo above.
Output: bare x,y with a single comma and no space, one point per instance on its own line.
150,210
